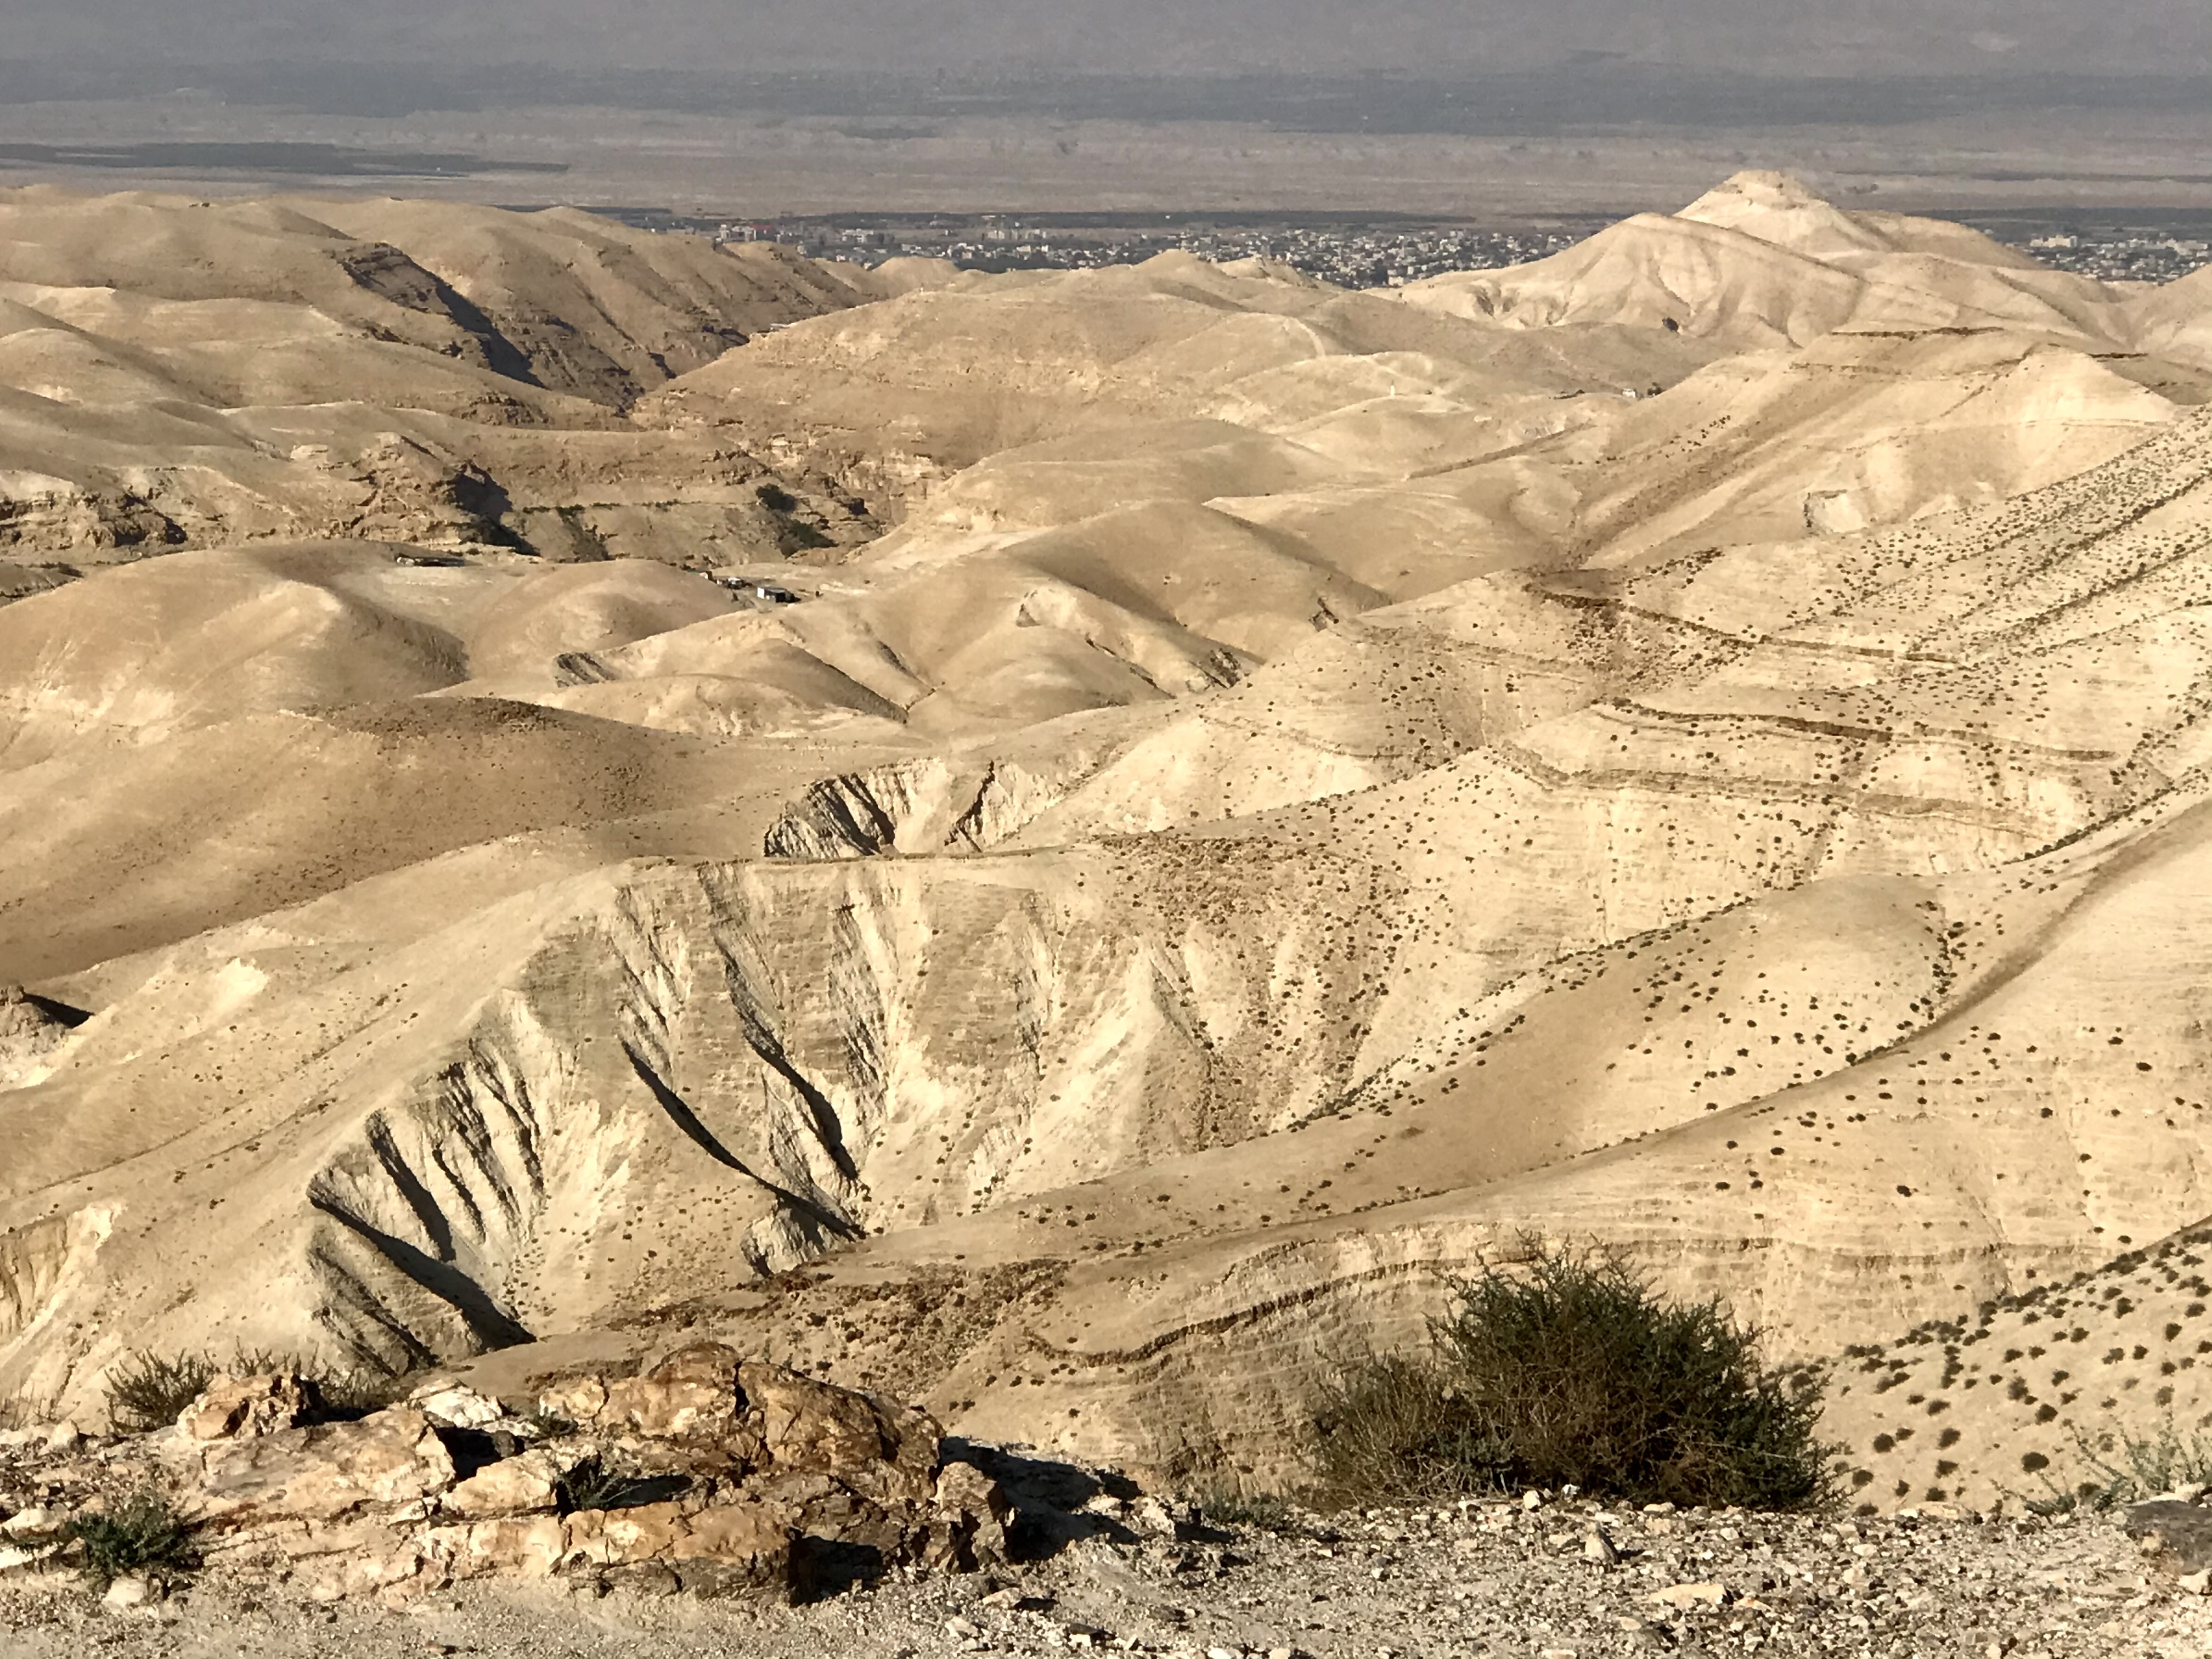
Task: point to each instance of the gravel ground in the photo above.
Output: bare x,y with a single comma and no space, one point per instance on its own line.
1482,1579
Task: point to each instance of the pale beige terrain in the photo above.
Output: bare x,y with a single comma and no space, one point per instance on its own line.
1266,795
179,372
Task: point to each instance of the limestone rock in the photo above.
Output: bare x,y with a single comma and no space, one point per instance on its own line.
247,1407
1154,1514
461,1407
708,1475
319,1473
34,1523
577,1399
973,1517
723,1547
127,1592
522,1547
357,1556
20,1557
692,1393
884,1453
527,1483
1686,1596
28,1032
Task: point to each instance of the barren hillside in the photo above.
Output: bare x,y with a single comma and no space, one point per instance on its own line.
1202,803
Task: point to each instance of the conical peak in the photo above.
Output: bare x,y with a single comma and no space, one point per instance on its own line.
1757,189
1777,207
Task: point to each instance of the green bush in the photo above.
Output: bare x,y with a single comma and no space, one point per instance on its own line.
1395,1429
1570,1370
591,1485
141,1533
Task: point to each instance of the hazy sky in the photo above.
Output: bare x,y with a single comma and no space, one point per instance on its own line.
1775,36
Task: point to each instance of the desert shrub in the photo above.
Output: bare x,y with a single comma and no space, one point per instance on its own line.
1394,1428
1262,1511
141,1533
1571,1370
355,1389
21,1411
594,1484
146,1391
341,1389
591,1485
2122,1467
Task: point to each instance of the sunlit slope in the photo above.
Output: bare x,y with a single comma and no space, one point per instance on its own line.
1200,804
201,637
1631,1025
1534,1033
2175,321
112,851
589,304
951,375
181,373
1762,262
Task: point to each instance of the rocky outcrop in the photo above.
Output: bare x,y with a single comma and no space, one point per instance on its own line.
31,1028
246,1407
701,1470
46,515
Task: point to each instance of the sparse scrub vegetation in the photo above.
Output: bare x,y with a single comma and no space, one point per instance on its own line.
597,1484
18,1412
352,1388
2125,1468
141,1533
1569,1370
355,1390
147,1391
591,1484
1260,1511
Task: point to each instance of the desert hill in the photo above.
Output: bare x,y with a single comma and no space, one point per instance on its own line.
590,306
951,372
176,372
1760,261
1203,803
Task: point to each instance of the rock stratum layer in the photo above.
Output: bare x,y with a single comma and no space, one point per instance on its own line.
1697,744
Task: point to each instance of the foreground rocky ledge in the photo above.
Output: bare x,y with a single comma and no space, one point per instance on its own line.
702,1471
705,1498
1486,1579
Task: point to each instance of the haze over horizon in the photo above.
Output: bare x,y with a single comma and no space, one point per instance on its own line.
1430,37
